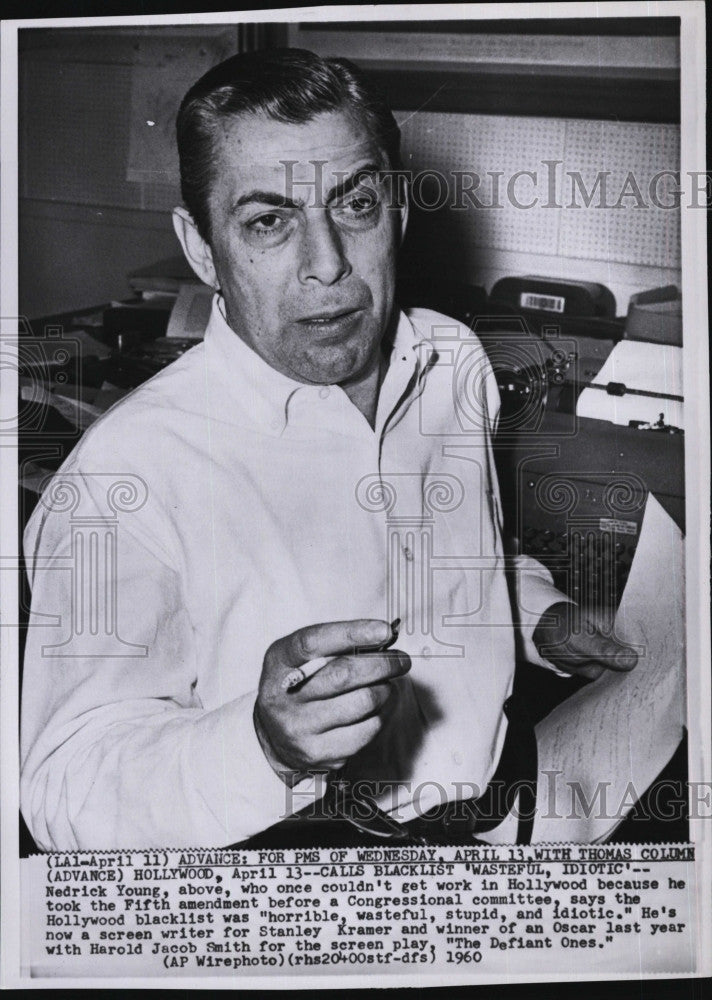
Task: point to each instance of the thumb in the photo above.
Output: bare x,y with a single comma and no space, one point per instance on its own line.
592,645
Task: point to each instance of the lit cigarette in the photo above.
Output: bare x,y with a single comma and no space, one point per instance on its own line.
303,673
311,667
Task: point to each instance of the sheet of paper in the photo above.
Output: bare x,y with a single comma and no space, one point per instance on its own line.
614,736
165,67
191,312
654,368
72,407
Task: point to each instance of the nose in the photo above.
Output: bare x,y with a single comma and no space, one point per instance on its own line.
322,253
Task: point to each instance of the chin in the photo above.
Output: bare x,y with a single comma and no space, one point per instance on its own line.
339,370
333,377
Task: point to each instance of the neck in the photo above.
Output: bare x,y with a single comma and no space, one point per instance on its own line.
364,392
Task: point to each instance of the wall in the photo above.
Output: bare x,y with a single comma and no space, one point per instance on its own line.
630,246
83,224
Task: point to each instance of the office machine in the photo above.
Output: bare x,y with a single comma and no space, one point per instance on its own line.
591,422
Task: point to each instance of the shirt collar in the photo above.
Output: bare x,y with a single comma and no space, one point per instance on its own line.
263,394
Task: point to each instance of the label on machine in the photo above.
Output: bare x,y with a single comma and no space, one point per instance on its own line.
615,524
551,303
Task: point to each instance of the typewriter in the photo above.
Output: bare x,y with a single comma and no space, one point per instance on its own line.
591,422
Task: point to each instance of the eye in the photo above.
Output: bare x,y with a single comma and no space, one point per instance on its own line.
359,209
270,222
360,203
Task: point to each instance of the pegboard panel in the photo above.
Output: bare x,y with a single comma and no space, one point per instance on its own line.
626,156
490,144
628,234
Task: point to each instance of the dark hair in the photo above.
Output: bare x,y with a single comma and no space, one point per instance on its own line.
288,85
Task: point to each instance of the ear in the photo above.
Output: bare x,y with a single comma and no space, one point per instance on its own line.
197,251
404,207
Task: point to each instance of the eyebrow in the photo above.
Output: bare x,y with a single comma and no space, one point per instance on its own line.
349,183
266,198
276,200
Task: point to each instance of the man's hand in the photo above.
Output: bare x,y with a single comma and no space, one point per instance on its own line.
578,645
335,713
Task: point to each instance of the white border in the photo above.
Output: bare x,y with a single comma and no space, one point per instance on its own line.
697,454
9,542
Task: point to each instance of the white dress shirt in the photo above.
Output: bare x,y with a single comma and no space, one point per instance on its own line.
223,505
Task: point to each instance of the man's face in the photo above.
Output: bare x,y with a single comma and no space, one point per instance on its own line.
305,253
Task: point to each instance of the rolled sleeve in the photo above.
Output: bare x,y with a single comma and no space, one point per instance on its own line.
118,750
237,783
535,594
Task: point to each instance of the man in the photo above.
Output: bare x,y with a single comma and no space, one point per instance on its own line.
289,487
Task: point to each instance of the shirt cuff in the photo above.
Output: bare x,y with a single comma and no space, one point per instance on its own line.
237,783
536,596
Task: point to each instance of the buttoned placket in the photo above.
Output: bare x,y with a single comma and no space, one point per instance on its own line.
328,406
396,397
368,460
287,408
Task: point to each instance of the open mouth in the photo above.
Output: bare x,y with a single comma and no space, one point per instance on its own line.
329,318
335,326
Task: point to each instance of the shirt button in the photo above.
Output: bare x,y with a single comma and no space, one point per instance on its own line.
324,392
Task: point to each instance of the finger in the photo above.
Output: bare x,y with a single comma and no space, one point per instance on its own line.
353,707
591,645
587,664
338,745
349,673
328,639
590,672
